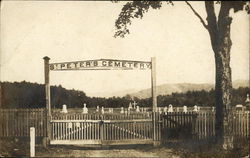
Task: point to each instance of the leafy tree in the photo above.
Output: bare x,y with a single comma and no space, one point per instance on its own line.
219,32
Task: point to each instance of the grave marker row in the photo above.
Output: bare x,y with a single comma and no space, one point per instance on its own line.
137,109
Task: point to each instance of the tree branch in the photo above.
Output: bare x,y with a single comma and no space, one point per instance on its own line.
195,12
212,24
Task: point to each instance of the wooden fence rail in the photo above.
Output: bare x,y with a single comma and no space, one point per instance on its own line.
175,125
17,122
201,125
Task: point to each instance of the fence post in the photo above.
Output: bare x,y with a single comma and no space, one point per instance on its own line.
248,128
154,100
32,141
47,97
153,83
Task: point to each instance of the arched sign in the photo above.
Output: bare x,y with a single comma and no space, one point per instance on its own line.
101,64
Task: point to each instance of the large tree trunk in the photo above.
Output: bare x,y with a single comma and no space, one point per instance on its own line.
221,43
223,86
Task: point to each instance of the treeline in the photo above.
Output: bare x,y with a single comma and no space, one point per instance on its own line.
199,98
32,95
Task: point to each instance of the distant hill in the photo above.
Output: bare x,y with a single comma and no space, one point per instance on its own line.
166,89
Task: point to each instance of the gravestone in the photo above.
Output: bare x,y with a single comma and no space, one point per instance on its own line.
247,103
195,108
84,109
159,110
185,109
198,108
165,109
170,108
137,109
64,109
102,110
122,110
134,104
239,107
130,106
213,109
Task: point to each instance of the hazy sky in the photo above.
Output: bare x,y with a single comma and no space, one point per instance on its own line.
78,30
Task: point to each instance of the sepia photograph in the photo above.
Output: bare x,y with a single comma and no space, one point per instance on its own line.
115,78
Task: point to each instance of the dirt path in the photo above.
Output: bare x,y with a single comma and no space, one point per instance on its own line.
83,152
20,148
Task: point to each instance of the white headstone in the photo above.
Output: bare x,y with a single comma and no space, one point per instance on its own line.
122,110
165,109
195,108
102,110
239,107
130,106
170,108
84,109
198,108
159,110
247,100
64,109
213,109
137,109
184,108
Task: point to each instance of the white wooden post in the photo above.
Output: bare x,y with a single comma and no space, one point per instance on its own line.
154,101
153,82
32,141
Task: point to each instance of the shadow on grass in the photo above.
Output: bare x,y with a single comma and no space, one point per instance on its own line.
207,149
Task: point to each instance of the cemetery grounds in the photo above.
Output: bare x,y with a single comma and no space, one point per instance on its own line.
19,147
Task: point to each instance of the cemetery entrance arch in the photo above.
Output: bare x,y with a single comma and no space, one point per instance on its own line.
128,128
